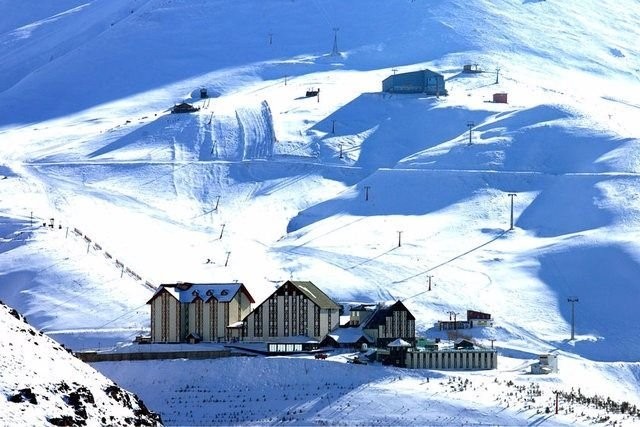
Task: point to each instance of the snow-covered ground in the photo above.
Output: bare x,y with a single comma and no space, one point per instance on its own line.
271,185
42,384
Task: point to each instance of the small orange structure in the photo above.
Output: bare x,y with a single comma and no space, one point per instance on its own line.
500,98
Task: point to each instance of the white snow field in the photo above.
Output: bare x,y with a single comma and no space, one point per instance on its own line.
42,384
271,185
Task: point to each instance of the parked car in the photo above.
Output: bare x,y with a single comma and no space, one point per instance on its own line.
321,356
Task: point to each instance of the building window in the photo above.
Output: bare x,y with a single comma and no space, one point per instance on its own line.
304,317
257,322
316,321
294,314
273,317
213,315
286,315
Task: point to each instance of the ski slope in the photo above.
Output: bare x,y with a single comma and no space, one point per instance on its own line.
270,184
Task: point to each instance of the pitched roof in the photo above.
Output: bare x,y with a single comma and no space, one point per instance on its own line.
349,335
162,289
312,292
398,343
379,316
187,292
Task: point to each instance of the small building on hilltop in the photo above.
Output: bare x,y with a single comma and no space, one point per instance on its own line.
425,81
189,312
388,323
547,364
295,309
183,108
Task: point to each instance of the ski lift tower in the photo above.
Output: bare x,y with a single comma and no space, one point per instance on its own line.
335,51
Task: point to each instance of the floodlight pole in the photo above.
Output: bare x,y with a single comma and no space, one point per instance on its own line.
512,195
333,127
217,202
399,238
226,262
573,301
497,74
470,125
366,192
492,340
221,231
341,156
429,277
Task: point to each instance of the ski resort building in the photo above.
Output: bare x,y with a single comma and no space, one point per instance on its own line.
296,309
388,323
453,359
425,81
188,312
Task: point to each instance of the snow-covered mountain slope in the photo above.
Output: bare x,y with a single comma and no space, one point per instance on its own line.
42,384
270,184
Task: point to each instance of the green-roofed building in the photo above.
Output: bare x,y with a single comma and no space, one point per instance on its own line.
295,309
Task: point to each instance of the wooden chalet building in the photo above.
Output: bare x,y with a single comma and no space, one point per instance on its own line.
188,312
388,323
296,309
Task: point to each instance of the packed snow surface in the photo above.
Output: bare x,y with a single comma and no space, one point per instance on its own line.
365,193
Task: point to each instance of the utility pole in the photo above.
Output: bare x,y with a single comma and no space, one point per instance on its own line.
492,340
394,71
399,238
341,156
470,125
335,51
333,127
366,192
31,220
221,232
285,79
217,202
226,262
497,74
512,195
270,38
67,233
429,277
573,301
455,322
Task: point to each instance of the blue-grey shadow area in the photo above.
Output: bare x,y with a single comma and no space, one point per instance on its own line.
568,205
605,281
399,125
64,67
408,192
530,140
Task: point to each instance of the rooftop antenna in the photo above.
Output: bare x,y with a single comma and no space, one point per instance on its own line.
335,51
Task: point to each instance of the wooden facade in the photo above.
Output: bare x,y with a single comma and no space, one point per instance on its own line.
166,317
295,309
389,323
198,310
